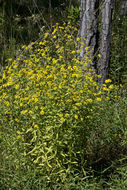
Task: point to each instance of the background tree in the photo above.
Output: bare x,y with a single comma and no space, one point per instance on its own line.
109,16
105,42
123,11
2,29
88,25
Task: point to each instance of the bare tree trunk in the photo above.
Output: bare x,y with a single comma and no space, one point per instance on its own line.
2,34
124,8
106,29
88,25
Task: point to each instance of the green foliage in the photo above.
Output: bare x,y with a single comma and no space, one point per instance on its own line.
118,60
55,118
73,15
119,179
56,122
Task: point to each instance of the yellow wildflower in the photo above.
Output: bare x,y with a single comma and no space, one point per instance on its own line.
81,91
57,46
42,112
16,86
66,115
75,107
73,52
105,88
78,104
76,116
62,119
19,137
24,112
89,100
60,115
99,99
16,119
35,126
7,103
108,81
99,55
54,31
42,107
46,35
78,39
60,56
111,86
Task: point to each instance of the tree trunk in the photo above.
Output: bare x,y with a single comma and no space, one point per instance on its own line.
2,34
123,8
88,26
106,28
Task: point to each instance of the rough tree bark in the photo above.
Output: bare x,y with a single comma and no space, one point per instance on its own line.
2,33
123,8
88,25
106,28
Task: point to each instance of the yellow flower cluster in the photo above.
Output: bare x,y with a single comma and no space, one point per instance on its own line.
49,79
49,96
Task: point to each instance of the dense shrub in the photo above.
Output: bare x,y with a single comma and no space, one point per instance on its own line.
54,116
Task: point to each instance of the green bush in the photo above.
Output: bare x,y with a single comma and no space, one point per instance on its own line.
54,116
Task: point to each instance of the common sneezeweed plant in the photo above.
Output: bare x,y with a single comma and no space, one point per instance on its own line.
47,101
